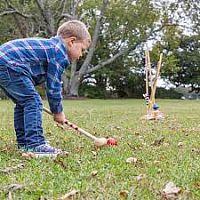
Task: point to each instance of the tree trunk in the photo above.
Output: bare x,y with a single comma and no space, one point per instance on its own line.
74,86
65,80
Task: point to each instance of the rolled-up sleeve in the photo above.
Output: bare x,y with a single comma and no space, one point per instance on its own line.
54,86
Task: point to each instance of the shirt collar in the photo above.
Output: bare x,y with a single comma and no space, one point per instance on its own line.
57,40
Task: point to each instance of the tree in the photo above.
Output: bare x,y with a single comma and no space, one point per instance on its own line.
122,26
118,29
188,56
179,43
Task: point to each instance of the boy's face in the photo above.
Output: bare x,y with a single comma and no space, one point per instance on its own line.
76,48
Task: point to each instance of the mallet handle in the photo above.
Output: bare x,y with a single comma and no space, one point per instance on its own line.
73,126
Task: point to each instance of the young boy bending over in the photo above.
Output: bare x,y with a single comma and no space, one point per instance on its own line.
25,63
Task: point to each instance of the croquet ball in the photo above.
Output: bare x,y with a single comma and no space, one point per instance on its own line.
155,106
111,141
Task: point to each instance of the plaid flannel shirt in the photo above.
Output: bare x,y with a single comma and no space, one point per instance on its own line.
43,60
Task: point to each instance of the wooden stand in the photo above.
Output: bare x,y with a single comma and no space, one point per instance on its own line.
153,112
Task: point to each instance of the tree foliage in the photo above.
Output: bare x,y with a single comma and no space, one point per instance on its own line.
119,30
188,56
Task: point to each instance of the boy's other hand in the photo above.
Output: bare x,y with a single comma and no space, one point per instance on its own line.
59,117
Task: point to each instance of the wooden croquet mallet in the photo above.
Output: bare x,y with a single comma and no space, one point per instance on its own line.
98,141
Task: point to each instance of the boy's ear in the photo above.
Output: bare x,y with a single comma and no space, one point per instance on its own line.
70,41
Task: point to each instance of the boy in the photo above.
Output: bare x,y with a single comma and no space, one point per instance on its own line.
25,63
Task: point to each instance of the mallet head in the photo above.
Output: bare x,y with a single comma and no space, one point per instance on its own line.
100,142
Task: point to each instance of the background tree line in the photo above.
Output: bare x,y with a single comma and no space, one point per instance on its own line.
121,30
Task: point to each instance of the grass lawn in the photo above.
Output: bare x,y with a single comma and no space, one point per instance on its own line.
162,151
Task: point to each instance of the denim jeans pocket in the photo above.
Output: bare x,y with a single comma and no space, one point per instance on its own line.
4,76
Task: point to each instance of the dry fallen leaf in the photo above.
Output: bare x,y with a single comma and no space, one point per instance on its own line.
68,195
159,141
28,155
140,177
156,162
196,150
170,191
180,144
166,144
13,168
7,148
159,170
144,143
60,162
118,127
123,194
131,160
94,173
13,187
94,153
42,198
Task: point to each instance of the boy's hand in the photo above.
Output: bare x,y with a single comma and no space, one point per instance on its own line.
59,117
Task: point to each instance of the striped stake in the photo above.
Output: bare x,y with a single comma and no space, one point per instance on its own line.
147,73
153,92
150,101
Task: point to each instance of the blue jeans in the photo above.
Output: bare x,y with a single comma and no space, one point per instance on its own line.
28,109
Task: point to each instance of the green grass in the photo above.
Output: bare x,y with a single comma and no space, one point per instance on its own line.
52,179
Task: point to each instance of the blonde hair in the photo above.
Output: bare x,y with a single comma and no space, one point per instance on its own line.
74,28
